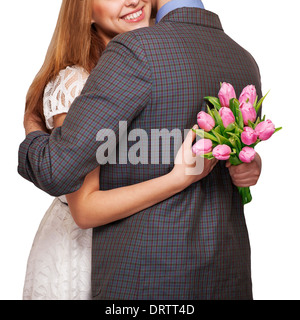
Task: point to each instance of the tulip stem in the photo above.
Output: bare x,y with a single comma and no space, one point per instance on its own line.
245,194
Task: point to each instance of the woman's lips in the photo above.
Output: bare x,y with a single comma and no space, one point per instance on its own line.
135,16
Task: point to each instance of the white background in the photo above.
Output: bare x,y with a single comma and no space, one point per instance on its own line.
269,29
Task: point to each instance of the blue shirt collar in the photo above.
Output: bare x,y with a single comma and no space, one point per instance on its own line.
175,4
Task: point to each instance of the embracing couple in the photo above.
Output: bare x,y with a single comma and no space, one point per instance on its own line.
135,229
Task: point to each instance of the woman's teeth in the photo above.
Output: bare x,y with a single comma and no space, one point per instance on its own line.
133,15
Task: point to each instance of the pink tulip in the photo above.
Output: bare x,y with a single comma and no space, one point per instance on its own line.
205,121
222,152
247,154
226,93
202,146
265,129
249,136
227,116
248,112
248,93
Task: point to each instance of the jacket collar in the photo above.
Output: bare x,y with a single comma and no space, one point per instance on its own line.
193,16
175,4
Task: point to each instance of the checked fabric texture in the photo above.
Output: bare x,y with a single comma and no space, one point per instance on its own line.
194,245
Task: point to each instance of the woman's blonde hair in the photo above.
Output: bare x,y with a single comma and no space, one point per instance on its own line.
75,42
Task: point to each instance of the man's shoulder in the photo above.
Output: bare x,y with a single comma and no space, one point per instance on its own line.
142,34
136,35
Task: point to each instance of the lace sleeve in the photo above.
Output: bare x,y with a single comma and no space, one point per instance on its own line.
62,91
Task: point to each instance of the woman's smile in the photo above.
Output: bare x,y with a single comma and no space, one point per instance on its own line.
134,16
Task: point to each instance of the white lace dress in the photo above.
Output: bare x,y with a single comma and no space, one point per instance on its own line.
59,264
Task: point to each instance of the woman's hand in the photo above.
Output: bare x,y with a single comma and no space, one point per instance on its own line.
190,168
245,174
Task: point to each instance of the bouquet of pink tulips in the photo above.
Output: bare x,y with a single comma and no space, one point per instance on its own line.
232,129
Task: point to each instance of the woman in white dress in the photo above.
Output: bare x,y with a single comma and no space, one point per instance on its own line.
59,264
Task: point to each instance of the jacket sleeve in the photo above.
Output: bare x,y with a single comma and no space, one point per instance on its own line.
118,89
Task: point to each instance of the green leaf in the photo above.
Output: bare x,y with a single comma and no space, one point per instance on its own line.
218,129
210,112
203,134
255,102
238,143
222,139
234,106
208,156
233,143
240,120
277,129
219,141
250,124
219,120
238,130
230,127
214,101
233,135
257,107
234,160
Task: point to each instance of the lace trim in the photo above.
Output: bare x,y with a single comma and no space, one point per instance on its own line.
60,93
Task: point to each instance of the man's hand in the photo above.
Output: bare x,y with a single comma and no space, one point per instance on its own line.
33,122
245,174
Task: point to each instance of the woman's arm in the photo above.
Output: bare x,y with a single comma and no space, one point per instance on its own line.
91,207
